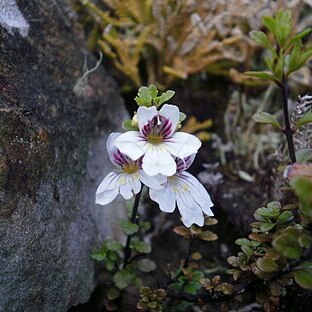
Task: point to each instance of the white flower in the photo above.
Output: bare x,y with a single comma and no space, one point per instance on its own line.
157,140
126,178
184,189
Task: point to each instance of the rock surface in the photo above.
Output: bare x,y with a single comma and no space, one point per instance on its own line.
52,157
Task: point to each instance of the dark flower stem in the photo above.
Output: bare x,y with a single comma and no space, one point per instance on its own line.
287,130
133,219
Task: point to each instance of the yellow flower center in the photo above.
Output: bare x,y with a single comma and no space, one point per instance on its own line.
131,167
154,139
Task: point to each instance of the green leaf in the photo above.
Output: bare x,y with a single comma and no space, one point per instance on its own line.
303,275
247,250
114,245
294,57
279,68
113,293
260,75
283,27
265,227
145,225
266,118
285,216
141,246
243,242
304,57
127,125
192,287
261,38
269,22
303,189
182,117
146,265
288,245
299,36
127,227
144,97
166,96
305,241
153,90
307,118
266,264
122,278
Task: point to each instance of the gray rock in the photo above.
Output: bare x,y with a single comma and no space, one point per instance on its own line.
52,157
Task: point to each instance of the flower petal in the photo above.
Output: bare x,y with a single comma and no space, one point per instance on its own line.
131,185
106,197
131,144
183,144
114,155
190,214
185,163
165,198
156,182
110,182
172,113
146,114
158,160
199,193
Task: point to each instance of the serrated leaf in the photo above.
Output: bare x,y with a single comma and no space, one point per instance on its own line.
144,98
303,275
153,90
127,227
265,227
114,245
266,118
288,245
166,96
146,265
261,38
141,247
260,75
307,118
127,125
266,264
285,216
123,278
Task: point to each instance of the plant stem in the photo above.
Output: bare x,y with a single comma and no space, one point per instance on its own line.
132,220
287,131
187,258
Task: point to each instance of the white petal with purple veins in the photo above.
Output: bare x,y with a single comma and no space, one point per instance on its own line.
146,114
171,112
110,182
110,146
131,144
183,144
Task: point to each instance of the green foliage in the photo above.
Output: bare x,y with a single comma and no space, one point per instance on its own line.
303,275
307,118
266,118
286,53
148,96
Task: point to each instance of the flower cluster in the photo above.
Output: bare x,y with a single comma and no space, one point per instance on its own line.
156,155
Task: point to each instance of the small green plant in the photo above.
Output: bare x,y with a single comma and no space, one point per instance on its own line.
285,54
